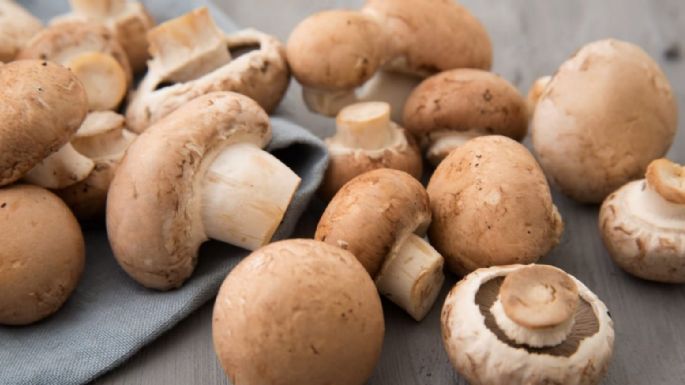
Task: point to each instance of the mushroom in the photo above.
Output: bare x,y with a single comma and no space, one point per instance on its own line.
102,138
198,173
41,106
191,57
42,254
643,224
491,206
535,93
17,26
92,53
529,325
448,109
604,116
381,217
298,312
366,140
382,51
127,21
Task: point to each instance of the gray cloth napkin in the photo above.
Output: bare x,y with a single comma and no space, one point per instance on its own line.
110,317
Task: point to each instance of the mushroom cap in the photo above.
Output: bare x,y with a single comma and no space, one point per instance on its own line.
42,254
373,214
17,26
480,351
358,54
491,206
298,312
606,113
432,35
464,100
41,106
154,204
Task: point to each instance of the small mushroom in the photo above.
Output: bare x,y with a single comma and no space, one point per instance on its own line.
191,57
128,21
526,325
643,224
42,254
491,206
298,312
366,140
198,173
382,51
448,109
604,116
17,26
41,106
381,217
92,53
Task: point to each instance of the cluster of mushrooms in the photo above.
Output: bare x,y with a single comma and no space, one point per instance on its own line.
179,159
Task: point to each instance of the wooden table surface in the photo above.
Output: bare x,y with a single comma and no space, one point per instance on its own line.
531,38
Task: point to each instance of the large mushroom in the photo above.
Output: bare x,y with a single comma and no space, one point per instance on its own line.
449,108
198,173
192,57
526,325
643,224
42,254
602,118
491,206
366,139
17,26
381,217
298,312
382,51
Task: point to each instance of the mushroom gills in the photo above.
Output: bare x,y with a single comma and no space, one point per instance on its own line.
393,88
61,169
245,194
412,277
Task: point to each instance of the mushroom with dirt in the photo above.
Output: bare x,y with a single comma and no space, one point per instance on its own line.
366,139
491,206
526,325
92,53
449,108
382,51
643,224
602,118
192,57
305,310
381,217
42,254
42,104
198,173
128,21
17,27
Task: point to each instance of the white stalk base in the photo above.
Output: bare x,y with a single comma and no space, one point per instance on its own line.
443,142
535,338
246,193
413,277
61,169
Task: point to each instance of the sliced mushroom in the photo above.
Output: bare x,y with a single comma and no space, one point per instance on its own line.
190,58
452,107
92,53
17,26
529,325
128,21
39,115
303,309
366,140
604,116
42,254
382,51
198,173
643,224
491,206
381,217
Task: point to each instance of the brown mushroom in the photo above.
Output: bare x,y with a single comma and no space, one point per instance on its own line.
17,26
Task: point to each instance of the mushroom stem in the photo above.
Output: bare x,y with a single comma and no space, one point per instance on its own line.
61,169
103,136
441,143
535,338
668,180
98,8
246,193
365,126
413,277
103,78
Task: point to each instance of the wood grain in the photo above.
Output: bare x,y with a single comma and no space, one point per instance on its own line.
531,38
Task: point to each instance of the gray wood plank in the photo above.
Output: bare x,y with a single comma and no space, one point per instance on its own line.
531,37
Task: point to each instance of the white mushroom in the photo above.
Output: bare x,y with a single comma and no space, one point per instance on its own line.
17,26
